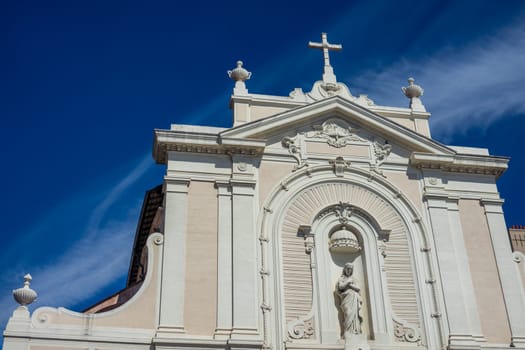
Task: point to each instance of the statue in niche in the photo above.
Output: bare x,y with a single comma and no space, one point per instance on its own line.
351,304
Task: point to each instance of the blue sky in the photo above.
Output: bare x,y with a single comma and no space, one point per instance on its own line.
84,83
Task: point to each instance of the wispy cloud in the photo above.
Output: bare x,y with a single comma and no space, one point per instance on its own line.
91,264
93,261
102,208
464,88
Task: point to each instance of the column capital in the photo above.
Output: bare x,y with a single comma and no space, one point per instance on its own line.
492,205
176,184
223,188
243,187
441,200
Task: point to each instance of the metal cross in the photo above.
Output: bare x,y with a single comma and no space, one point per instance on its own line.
325,46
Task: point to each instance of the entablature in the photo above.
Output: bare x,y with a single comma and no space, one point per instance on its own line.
461,163
168,140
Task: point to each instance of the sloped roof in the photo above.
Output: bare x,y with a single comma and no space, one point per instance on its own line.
153,199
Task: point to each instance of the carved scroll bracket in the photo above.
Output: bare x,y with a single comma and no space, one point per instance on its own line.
381,153
296,148
301,328
406,332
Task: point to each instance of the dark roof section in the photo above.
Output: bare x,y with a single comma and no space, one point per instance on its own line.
153,199
517,238
114,300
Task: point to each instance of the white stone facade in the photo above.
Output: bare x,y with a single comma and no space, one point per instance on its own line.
245,258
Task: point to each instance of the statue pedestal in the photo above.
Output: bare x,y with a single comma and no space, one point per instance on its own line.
357,342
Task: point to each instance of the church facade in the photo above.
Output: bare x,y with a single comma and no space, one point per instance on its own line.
319,220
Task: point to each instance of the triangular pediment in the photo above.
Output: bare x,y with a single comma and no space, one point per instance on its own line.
337,112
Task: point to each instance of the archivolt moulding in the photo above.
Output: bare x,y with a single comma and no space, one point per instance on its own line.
353,184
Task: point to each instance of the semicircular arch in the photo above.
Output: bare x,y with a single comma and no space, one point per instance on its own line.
297,202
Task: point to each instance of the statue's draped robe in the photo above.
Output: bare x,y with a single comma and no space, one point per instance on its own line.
350,305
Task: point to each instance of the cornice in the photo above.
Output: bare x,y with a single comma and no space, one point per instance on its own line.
168,140
461,163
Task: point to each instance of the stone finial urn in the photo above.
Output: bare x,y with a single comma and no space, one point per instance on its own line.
239,73
412,90
25,295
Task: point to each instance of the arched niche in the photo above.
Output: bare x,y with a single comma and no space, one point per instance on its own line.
367,261
399,302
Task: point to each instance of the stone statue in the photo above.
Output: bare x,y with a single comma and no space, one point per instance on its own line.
348,291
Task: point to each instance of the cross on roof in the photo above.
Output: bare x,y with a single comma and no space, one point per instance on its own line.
328,75
325,46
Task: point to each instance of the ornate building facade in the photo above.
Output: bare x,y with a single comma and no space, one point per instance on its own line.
319,220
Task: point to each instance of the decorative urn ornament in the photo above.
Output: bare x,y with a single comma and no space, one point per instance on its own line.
412,90
25,295
239,73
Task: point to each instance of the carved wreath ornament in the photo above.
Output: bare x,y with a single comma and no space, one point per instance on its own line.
334,133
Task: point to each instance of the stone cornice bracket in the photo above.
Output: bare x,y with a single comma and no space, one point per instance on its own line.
340,165
461,163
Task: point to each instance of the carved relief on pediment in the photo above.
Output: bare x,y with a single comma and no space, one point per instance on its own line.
335,132
338,134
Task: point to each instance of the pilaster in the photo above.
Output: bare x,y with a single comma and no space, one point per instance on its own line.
464,270
174,266
451,253
224,260
507,269
244,256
